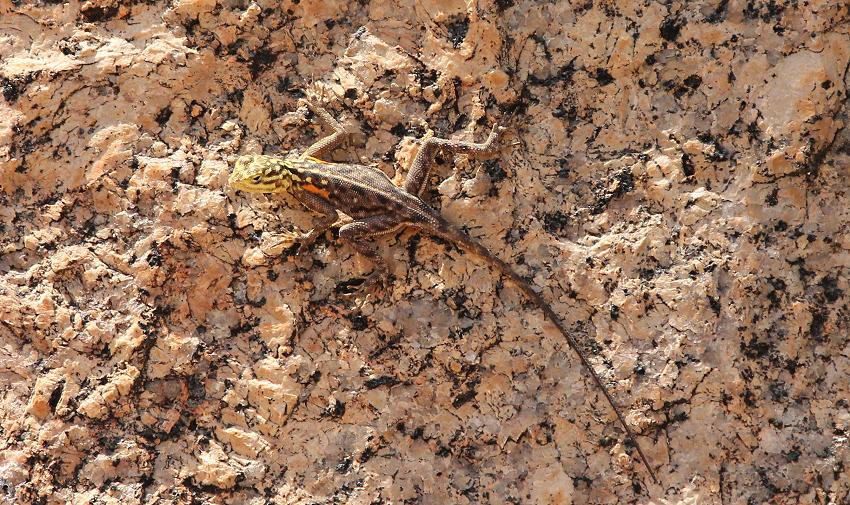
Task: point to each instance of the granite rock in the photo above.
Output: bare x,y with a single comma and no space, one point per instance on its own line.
674,181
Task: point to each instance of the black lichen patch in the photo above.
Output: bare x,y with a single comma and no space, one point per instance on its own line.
463,397
816,327
383,380
56,395
398,130
688,165
95,13
671,27
756,349
155,258
358,322
714,303
693,81
564,74
554,222
719,153
337,409
425,77
494,170
603,77
830,288
719,13
457,30
12,88
163,116
766,11
262,60
617,185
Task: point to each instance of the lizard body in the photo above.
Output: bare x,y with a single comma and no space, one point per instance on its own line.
377,207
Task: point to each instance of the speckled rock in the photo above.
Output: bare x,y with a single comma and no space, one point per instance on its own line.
674,181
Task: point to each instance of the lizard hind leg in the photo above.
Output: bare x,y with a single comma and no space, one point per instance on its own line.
357,234
419,171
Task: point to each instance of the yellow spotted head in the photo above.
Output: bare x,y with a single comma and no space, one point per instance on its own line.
257,173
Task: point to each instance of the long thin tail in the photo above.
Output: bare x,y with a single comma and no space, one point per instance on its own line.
445,230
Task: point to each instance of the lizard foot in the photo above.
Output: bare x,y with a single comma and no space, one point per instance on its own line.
295,239
354,287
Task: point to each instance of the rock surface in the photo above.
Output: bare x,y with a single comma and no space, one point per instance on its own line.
674,181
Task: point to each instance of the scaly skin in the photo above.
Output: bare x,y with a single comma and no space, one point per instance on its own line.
379,207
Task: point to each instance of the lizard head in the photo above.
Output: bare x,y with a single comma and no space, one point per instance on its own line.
256,173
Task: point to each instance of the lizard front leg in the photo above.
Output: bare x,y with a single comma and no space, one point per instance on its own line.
358,232
331,141
329,218
419,171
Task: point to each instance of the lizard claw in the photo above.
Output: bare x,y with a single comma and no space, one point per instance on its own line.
496,132
292,239
312,105
295,236
324,116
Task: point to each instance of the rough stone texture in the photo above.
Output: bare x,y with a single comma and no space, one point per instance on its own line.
675,182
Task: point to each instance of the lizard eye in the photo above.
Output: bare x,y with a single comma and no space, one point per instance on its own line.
256,179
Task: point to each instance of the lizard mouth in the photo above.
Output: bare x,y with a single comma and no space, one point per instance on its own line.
237,183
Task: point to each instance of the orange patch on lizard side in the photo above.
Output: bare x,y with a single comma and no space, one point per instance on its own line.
310,188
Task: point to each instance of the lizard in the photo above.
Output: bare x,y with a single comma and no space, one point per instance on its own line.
376,206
